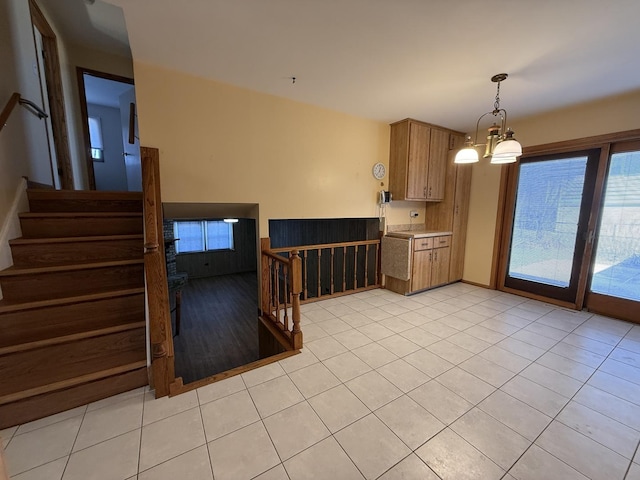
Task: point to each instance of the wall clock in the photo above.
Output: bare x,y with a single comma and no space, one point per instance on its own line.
379,171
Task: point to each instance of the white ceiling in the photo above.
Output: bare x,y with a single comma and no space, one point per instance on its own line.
390,59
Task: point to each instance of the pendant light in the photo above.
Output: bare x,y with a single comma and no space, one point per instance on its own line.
500,147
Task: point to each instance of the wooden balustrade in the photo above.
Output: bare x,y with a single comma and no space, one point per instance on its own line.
281,289
334,269
162,355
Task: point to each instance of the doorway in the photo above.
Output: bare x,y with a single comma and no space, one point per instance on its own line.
50,79
573,229
110,130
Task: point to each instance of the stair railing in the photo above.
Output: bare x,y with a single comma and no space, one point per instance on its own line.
281,287
17,99
162,354
335,269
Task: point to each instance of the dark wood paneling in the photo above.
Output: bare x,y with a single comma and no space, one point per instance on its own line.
243,257
290,233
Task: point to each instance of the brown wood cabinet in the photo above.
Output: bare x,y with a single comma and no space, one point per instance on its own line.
451,214
418,161
429,265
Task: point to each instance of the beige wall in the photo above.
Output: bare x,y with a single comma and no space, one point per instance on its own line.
223,144
607,116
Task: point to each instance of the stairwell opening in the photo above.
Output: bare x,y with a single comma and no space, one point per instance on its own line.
212,270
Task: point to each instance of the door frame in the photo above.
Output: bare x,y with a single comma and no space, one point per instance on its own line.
55,94
84,112
506,203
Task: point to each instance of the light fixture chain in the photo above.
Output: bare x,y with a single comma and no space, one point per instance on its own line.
496,104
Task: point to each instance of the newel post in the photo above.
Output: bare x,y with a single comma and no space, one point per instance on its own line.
295,275
265,287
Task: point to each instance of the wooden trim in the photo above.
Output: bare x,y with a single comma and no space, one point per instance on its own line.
476,284
323,246
162,359
430,125
339,294
55,92
533,296
621,308
625,146
585,143
84,112
586,266
180,388
8,108
499,233
276,332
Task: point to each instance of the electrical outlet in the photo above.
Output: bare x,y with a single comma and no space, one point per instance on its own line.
413,214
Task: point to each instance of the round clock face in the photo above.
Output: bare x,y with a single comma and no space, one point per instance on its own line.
379,171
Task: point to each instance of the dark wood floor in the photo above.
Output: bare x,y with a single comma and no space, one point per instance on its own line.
219,325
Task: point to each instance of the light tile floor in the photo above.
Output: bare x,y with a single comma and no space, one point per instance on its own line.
456,383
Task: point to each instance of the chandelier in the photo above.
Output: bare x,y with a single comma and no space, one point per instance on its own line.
501,146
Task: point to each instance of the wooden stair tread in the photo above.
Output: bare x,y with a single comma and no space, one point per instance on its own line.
71,382
84,194
13,270
78,214
95,238
70,338
6,307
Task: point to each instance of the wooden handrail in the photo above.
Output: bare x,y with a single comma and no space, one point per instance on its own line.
16,99
8,108
162,357
327,245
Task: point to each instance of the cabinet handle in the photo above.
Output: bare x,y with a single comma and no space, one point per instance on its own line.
443,241
430,255
435,255
424,192
457,209
429,195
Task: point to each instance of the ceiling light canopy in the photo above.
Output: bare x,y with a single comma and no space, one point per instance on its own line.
501,146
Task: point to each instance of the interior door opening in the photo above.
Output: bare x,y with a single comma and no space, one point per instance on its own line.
113,163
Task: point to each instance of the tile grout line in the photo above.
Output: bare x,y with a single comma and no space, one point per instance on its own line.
204,432
559,412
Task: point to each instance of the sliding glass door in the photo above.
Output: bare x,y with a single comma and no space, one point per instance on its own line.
614,285
572,228
550,222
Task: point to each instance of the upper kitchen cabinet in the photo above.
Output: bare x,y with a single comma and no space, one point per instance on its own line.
418,161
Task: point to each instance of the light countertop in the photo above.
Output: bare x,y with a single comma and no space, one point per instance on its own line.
417,233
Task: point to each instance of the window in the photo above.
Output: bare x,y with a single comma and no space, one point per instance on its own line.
202,235
95,137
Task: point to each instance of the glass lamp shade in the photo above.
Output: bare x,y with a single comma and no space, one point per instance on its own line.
507,148
467,155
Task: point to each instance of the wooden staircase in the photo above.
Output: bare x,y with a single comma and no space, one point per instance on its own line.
72,320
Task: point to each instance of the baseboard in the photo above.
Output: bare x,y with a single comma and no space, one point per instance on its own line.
475,284
11,225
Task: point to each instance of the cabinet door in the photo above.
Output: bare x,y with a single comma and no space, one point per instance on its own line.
421,270
438,154
417,163
460,216
440,266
